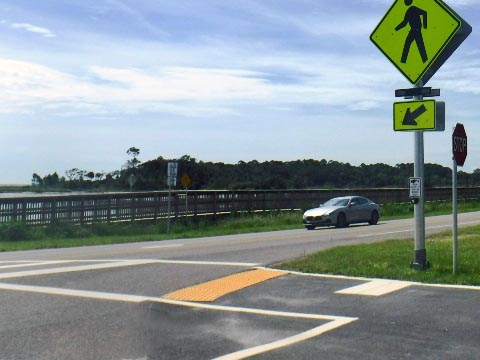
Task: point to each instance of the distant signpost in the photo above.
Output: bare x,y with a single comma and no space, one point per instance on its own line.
185,180
132,179
172,171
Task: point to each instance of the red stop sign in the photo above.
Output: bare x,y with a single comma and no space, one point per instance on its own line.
459,144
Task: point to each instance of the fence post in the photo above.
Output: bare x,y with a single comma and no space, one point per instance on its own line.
214,204
175,205
156,205
118,213
195,212
53,213
14,210
109,210
82,211
69,210
95,209
133,208
24,211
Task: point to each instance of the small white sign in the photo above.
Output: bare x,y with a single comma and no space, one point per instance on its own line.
415,185
172,172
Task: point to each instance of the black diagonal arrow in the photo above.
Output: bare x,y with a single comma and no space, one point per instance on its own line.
411,116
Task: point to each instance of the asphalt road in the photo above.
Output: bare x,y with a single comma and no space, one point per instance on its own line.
107,302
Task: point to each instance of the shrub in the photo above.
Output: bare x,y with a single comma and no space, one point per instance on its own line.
14,231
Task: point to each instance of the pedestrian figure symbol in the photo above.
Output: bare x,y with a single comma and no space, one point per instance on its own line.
416,18
416,47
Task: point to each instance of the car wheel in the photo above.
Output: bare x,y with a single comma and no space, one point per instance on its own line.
341,221
310,227
374,218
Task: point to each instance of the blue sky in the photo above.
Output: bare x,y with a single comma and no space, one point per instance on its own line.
220,80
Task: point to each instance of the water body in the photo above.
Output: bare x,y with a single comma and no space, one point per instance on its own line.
9,195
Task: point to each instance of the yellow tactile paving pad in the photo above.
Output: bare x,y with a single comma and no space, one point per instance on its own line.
212,290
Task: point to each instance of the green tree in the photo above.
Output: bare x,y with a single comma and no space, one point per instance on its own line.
133,162
71,174
51,180
37,180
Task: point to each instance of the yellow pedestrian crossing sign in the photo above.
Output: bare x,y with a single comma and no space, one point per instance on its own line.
418,36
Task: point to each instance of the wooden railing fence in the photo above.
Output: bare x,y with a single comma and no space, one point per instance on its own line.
114,207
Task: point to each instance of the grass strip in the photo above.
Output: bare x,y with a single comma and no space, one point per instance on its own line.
391,259
17,236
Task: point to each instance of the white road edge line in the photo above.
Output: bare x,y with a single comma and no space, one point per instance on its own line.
206,263
334,322
19,261
34,263
243,354
111,265
358,278
411,230
385,233
162,246
66,269
73,293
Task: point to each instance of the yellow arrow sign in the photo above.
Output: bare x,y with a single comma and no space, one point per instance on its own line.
414,115
418,36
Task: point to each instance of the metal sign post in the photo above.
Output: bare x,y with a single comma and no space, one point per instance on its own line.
172,181
420,255
168,206
455,217
185,180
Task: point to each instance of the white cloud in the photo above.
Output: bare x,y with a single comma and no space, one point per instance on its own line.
187,90
34,29
179,84
461,76
464,3
169,89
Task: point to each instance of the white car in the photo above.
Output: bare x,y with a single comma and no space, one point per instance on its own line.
341,212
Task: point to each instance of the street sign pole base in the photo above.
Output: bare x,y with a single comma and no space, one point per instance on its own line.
420,262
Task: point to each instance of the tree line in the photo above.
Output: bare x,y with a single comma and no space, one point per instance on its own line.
251,175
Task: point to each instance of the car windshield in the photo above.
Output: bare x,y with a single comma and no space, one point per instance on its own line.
336,202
